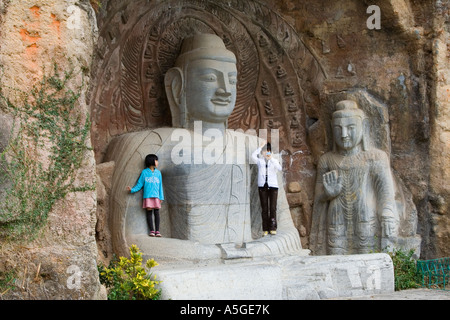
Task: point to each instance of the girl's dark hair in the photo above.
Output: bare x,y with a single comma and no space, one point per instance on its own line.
150,160
267,147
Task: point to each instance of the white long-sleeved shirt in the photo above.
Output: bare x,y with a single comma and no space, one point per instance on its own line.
273,165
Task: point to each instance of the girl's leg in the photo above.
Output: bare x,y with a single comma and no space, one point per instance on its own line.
273,196
150,219
263,197
156,212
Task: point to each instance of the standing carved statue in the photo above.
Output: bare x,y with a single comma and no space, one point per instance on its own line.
354,205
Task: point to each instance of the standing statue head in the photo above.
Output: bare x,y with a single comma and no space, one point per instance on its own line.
348,123
202,84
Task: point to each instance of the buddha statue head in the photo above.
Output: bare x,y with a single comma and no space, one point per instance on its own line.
202,84
348,124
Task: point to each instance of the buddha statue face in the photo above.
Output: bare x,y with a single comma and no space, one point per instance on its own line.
210,89
202,84
347,125
347,132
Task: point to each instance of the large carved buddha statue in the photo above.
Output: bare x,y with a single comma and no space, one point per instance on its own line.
209,184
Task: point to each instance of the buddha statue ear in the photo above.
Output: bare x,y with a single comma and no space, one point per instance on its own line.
365,134
174,85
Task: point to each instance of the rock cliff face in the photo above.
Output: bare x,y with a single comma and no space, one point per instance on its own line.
439,190
61,261
293,56
402,65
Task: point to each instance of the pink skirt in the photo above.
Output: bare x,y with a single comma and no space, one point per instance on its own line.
153,203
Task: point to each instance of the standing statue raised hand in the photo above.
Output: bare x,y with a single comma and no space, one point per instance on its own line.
332,183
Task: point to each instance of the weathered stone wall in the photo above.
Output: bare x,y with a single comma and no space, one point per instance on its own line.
61,262
439,191
403,64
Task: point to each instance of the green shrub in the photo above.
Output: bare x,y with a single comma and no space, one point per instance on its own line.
126,279
47,146
405,270
6,281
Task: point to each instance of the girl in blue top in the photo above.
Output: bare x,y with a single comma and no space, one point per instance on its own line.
151,180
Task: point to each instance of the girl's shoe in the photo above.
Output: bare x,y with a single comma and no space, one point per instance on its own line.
158,234
265,233
273,232
152,233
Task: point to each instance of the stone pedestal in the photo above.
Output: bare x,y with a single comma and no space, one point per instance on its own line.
290,277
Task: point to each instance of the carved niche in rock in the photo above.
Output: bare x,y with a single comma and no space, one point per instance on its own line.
360,206
210,205
279,78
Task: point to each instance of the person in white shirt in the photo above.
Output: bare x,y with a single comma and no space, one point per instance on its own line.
267,186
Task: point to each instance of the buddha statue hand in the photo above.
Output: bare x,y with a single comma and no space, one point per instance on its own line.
332,183
388,224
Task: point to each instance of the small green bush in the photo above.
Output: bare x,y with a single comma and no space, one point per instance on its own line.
6,281
405,270
126,279
48,128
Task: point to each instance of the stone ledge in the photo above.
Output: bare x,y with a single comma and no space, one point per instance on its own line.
291,277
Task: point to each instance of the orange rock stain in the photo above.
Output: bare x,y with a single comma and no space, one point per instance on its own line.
34,28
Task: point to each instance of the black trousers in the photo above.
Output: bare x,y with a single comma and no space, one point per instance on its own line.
150,213
268,198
